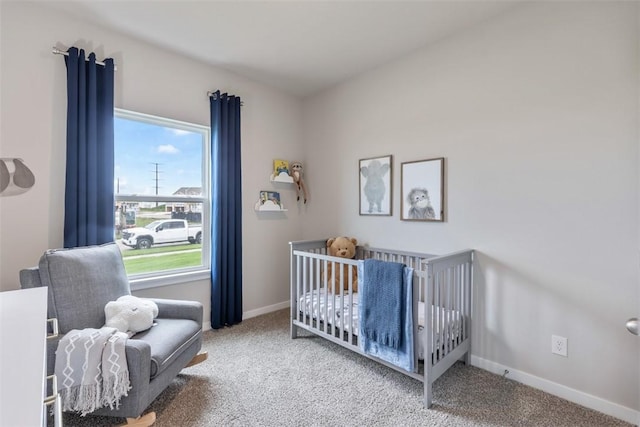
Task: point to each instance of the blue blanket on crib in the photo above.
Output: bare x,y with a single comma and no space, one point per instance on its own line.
382,302
386,312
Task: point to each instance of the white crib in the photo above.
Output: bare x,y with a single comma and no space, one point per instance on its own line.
441,304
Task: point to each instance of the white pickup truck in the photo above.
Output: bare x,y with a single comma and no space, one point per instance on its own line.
161,231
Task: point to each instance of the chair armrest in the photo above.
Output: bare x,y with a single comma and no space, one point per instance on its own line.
138,355
138,358
179,309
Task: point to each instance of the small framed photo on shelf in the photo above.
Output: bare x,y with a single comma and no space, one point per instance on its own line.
375,186
281,171
422,190
269,201
280,166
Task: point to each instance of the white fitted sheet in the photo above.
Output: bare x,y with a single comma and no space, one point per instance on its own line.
308,303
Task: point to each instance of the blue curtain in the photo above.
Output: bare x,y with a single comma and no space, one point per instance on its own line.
89,199
226,211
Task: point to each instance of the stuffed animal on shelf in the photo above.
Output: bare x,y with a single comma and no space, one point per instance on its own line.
343,247
130,314
296,172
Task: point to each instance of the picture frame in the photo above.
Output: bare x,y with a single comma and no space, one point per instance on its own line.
422,190
375,179
270,197
269,201
280,167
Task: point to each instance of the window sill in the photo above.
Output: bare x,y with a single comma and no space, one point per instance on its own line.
169,279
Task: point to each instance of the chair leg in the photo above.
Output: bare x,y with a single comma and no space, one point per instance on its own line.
198,358
141,421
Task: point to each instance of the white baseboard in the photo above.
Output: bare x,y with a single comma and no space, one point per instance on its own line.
598,404
206,325
264,310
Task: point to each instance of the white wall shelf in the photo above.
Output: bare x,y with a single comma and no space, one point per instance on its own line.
269,206
283,177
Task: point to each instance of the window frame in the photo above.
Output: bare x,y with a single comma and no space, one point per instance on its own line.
188,274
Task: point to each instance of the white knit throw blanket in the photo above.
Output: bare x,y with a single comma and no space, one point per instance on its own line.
91,368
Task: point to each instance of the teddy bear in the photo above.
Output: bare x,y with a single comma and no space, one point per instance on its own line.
130,314
343,247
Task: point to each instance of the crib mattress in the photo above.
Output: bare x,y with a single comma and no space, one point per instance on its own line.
309,302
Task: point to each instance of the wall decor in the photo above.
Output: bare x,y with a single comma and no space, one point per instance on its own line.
281,171
296,173
15,177
269,201
375,185
422,190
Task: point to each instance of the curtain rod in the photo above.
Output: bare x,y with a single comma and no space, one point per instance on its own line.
210,94
57,51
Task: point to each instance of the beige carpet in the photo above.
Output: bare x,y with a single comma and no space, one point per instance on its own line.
257,376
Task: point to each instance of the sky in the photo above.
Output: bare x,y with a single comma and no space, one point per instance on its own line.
139,146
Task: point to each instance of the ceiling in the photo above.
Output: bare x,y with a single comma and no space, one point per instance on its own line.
301,47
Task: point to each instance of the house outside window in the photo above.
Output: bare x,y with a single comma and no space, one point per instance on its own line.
161,198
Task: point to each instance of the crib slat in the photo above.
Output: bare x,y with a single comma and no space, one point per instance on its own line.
350,317
333,303
293,291
440,314
467,310
436,316
450,286
304,287
445,311
438,304
461,304
298,286
461,307
344,276
456,306
441,306
429,326
309,286
468,316
323,283
450,312
417,283
315,295
336,298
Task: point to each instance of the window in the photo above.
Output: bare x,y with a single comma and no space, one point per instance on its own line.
162,198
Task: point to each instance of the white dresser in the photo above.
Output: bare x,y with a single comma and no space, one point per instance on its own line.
23,354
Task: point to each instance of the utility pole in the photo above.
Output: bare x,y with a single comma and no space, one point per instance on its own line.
157,178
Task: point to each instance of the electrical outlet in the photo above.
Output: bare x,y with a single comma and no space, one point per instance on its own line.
559,345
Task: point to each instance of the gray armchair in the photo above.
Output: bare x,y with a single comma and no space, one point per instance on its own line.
81,281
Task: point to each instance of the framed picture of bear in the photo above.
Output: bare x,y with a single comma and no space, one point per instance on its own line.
422,190
375,186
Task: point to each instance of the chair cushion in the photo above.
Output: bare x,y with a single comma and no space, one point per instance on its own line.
168,338
81,282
